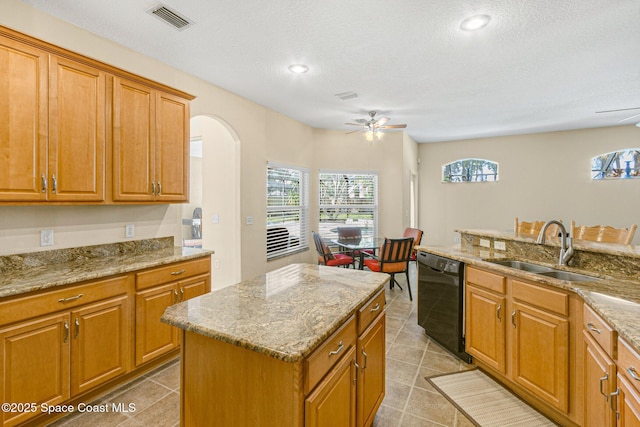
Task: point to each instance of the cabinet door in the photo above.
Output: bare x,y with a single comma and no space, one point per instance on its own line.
100,344
154,338
371,375
77,116
333,402
599,383
628,402
194,287
35,364
133,141
23,114
541,354
485,327
172,148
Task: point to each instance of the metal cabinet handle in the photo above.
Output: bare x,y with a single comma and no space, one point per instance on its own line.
611,405
602,380
73,298
498,313
632,372
44,184
376,307
181,294
365,359
177,273
513,318
159,188
338,350
175,296
153,188
66,331
355,379
54,184
77,322
593,328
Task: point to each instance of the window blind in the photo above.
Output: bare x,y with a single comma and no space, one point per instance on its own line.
287,210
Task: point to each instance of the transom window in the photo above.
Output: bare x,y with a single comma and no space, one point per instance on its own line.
287,210
616,164
347,198
470,170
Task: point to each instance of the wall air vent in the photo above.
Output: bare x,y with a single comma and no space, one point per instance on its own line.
171,17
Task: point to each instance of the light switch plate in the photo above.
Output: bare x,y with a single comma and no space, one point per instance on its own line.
501,246
129,230
249,220
485,243
46,237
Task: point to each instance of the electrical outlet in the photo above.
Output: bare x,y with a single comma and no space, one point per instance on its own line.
216,264
46,237
485,243
456,239
499,245
129,230
249,220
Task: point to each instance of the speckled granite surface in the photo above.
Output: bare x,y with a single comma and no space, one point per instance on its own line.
615,296
285,314
42,270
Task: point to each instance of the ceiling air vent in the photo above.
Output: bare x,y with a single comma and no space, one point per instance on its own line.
171,17
347,95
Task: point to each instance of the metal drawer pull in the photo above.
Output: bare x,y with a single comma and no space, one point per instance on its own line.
44,184
593,328
176,273
513,318
159,188
338,350
602,380
77,328
181,294
632,372
376,307
365,359
498,313
153,188
66,331
54,184
63,300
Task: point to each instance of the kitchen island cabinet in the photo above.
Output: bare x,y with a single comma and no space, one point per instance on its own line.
282,349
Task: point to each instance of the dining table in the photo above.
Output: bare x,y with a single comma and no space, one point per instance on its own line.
361,246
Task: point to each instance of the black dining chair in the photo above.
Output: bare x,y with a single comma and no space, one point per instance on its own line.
326,257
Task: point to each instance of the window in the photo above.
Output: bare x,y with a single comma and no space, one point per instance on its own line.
621,164
470,170
287,210
348,198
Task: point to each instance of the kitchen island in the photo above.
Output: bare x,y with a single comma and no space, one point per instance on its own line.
302,345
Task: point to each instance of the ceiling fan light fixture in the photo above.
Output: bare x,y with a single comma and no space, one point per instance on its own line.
298,68
475,22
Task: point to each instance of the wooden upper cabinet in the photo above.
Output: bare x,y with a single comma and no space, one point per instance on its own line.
150,144
77,115
23,115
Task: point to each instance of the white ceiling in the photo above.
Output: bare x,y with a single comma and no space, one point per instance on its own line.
540,65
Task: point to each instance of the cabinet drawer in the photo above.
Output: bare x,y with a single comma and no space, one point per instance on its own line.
629,363
557,302
49,302
604,335
327,355
493,282
172,272
370,311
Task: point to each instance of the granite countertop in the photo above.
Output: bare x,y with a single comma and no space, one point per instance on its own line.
24,273
615,298
285,314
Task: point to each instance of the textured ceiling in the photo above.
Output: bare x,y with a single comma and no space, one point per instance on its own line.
540,65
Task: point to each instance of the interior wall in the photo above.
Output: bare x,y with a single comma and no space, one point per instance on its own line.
541,177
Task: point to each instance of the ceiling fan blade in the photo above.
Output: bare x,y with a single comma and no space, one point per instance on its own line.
392,127
354,124
353,131
363,121
631,117
381,121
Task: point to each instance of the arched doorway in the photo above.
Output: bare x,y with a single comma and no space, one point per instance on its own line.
215,196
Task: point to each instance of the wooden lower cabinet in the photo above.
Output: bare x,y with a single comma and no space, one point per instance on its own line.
371,371
333,402
627,403
36,364
485,326
599,383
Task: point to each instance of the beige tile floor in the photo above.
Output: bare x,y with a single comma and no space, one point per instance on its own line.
410,400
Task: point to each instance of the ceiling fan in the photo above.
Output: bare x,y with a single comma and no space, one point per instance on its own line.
372,125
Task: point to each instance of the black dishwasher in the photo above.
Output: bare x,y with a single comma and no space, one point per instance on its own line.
441,301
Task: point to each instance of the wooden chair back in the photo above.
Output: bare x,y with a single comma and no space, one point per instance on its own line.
395,255
416,235
603,233
533,228
349,232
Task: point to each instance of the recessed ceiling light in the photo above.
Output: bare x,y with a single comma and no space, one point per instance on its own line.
475,22
298,68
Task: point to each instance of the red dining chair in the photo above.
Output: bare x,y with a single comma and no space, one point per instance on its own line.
394,256
416,234
326,257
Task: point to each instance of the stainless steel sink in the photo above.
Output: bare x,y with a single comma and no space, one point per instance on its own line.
524,266
571,277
